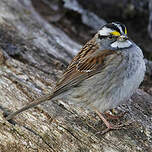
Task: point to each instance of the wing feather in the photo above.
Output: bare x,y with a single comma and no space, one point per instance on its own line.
89,61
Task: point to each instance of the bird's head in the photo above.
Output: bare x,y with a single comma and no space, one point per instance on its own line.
114,35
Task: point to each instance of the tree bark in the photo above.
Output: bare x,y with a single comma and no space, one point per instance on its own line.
33,55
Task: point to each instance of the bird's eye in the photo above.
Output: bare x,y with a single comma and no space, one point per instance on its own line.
101,36
110,36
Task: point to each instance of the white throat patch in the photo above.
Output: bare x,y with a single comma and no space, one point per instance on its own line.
121,44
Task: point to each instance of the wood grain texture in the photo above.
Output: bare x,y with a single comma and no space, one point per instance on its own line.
32,70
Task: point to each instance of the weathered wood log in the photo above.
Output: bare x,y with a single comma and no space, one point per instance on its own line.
33,55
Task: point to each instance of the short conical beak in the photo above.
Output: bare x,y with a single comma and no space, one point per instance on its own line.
122,38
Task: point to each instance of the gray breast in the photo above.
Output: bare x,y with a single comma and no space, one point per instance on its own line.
114,85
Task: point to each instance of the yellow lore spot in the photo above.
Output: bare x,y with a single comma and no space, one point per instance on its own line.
115,33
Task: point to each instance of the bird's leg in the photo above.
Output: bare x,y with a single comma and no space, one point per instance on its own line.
108,125
103,119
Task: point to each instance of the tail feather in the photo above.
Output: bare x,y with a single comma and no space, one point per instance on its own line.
33,104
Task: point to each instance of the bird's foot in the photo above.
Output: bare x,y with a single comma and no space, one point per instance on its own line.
113,127
108,125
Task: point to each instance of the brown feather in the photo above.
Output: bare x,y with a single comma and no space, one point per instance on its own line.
88,62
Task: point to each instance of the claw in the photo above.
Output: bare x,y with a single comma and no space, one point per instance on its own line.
108,125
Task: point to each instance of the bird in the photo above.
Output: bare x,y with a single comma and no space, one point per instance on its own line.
103,75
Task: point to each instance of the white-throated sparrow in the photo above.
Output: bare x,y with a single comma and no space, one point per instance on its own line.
104,74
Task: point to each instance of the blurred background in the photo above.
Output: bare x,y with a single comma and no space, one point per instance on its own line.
80,19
